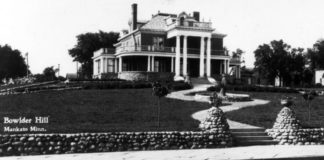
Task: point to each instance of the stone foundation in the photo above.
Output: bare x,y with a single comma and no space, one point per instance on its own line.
145,76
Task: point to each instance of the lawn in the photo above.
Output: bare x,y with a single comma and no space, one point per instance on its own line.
100,111
265,115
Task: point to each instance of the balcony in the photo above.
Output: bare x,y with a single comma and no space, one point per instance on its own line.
145,48
192,25
104,51
151,48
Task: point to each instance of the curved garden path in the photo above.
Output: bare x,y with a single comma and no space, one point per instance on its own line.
200,115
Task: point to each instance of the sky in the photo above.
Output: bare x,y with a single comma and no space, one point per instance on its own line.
47,29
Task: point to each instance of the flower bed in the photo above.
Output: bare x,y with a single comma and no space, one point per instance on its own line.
230,97
251,88
108,142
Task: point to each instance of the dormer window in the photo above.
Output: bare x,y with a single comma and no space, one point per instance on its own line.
181,21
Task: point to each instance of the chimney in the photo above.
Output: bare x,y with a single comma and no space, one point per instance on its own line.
134,16
196,16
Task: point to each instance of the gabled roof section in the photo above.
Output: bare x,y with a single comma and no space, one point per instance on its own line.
157,23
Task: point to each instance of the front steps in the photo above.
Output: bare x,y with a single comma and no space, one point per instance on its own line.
251,136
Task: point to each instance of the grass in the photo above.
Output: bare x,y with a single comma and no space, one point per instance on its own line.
100,111
265,115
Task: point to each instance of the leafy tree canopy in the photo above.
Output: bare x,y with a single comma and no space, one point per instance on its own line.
12,64
278,59
87,43
315,55
237,53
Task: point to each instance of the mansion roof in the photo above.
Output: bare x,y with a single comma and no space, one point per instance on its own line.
157,23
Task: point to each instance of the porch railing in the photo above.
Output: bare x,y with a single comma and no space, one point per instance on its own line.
148,48
200,25
151,48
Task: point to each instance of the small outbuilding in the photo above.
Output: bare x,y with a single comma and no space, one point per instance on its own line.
319,77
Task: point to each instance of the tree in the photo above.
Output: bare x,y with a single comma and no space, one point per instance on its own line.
49,73
278,59
159,91
88,43
12,64
238,53
315,58
308,97
317,55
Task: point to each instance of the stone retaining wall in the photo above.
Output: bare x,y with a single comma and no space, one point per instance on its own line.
106,142
298,136
288,130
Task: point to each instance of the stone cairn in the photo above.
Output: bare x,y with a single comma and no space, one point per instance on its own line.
216,121
288,130
286,118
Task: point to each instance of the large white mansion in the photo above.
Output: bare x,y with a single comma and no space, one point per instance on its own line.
167,45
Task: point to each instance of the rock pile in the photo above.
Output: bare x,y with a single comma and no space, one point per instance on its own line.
216,123
287,130
215,120
286,119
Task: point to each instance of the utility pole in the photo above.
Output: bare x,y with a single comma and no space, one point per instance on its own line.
27,74
58,72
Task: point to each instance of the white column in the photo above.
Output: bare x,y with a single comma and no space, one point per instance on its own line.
208,57
227,66
239,71
202,50
106,65
177,64
120,64
152,64
172,64
184,56
102,65
148,63
95,67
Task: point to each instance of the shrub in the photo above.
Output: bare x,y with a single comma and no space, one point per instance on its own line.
176,86
213,89
318,85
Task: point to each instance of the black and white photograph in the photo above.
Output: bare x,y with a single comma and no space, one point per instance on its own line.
161,79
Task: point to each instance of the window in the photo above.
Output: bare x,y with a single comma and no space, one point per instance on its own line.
156,66
158,43
110,65
181,21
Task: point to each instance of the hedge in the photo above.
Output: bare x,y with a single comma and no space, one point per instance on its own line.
176,86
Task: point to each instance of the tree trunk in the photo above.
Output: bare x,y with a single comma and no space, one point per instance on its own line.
158,113
309,111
